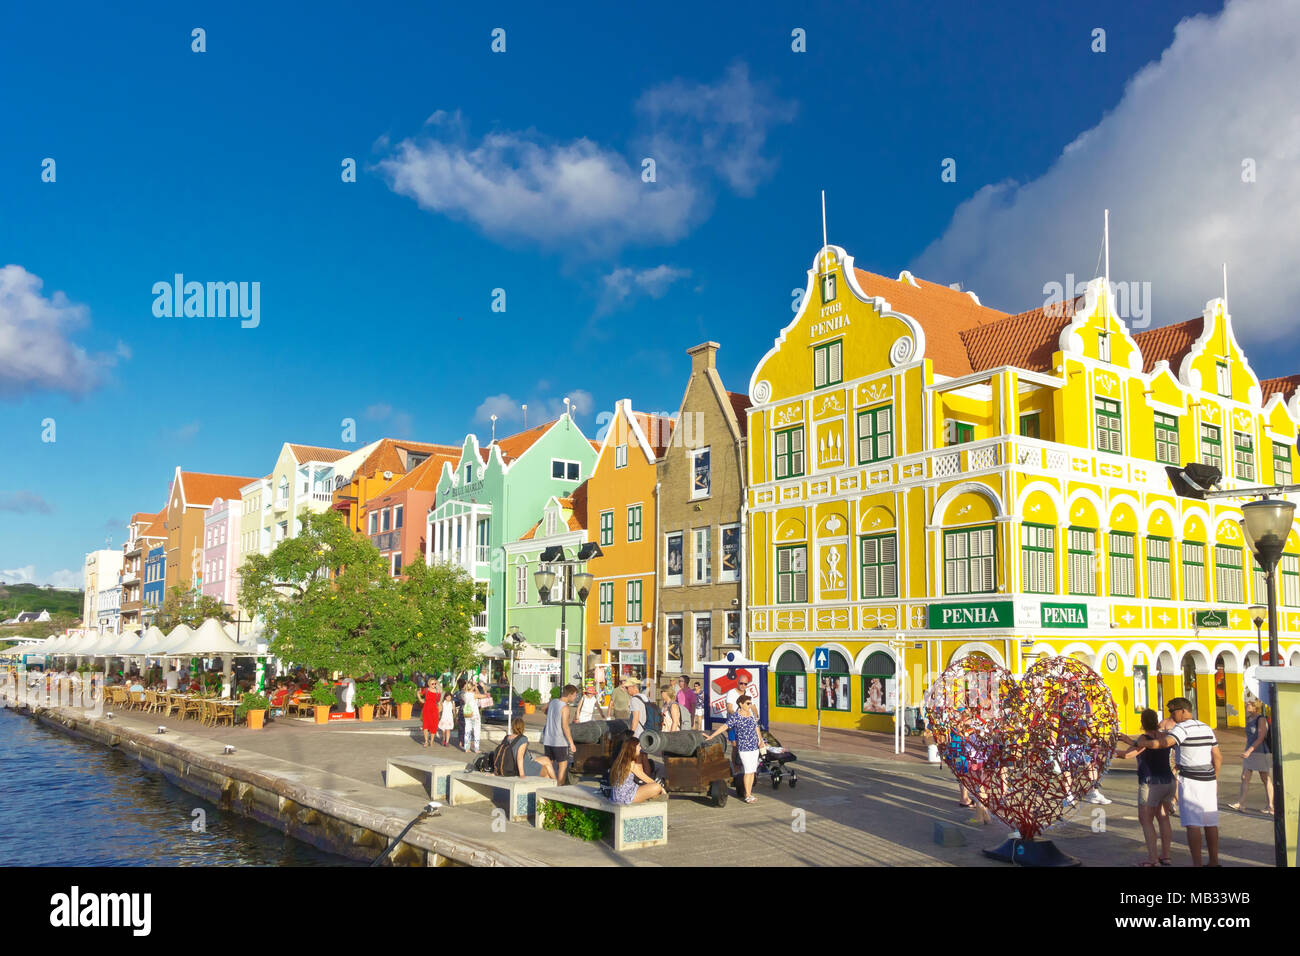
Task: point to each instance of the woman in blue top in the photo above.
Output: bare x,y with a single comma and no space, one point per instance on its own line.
1155,791
1257,756
749,742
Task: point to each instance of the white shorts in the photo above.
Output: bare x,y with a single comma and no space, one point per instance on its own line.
1198,802
749,761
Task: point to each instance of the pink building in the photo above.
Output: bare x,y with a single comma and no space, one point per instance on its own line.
221,550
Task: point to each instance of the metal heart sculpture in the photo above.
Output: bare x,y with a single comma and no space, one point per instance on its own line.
1027,749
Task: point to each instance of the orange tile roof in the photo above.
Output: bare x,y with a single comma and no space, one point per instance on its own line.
385,456
1028,340
515,445
739,403
1284,386
424,476
316,453
156,528
1169,343
203,489
658,430
942,312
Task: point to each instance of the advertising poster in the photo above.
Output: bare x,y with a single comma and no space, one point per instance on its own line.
675,558
731,553
675,643
701,485
722,678
880,694
703,637
833,692
791,690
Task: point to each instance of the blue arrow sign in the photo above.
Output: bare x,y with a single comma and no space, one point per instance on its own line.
822,659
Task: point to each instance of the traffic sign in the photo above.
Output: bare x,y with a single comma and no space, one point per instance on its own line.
822,659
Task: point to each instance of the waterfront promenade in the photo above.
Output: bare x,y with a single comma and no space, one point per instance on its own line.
855,805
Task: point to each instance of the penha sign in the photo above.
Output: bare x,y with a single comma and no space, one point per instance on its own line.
947,617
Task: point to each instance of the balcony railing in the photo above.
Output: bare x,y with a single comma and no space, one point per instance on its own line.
325,497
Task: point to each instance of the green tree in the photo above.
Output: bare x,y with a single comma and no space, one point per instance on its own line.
438,607
329,601
186,606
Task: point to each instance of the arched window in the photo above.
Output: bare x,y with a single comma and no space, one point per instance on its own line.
879,687
833,683
791,681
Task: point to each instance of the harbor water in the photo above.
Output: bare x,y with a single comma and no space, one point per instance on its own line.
70,802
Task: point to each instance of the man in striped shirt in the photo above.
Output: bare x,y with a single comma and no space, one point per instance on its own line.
1199,761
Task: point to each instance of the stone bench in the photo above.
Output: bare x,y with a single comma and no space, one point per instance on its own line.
636,825
428,772
468,786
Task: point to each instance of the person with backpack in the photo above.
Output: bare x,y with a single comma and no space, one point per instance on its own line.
513,759
644,714
557,738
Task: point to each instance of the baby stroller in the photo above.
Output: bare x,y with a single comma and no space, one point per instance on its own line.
773,761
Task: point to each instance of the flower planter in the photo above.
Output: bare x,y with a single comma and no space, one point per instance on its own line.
367,711
529,708
256,719
404,711
322,713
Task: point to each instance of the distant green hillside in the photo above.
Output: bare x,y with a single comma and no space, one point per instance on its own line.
15,598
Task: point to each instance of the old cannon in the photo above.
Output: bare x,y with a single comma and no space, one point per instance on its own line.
596,744
691,766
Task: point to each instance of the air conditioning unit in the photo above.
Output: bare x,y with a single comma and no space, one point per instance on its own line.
388,476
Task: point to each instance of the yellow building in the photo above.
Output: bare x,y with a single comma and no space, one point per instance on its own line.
930,477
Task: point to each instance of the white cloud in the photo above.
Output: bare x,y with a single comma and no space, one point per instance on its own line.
379,411
181,435
23,575
624,285
35,351
585,197
1167,161
24,502
540,409
67,578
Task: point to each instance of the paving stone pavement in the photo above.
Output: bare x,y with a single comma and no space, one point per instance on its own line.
861,808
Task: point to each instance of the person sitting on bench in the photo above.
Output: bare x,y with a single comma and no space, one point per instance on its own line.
512,758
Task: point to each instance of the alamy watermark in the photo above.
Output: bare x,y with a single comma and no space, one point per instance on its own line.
31,689
211,300
1130,300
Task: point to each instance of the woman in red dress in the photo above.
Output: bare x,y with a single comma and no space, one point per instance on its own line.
429,715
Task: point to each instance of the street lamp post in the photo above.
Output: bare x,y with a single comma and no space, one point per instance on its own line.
516,643
1266,524
1258,613
545,580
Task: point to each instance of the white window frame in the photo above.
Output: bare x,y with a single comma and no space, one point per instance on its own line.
674,580
724,576
620,456
698,554
693,455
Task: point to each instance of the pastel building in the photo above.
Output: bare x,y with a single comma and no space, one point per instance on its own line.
144,531
621,628
545,625
931,478
155,582
389,461
491,496
100,574
394,520
221,549
189,501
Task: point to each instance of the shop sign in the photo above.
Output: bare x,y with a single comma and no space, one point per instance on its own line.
533,668
632,657
1215,618
1064,615
981,614
625,638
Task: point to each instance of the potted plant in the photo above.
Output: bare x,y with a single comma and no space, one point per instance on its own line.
404,697
254,707
367,696
532,699
322,695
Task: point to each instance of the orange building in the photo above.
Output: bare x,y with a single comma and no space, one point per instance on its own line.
192,494
621,518
391,460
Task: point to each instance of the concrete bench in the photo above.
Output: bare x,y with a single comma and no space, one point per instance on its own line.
428,772
472,787
636,825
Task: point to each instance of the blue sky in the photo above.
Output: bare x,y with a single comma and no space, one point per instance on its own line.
520,171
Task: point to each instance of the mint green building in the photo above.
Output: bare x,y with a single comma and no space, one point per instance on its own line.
493,496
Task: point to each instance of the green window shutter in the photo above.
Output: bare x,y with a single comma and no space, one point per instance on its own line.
879,566
1211,446
1281,464
1122,577
1110,428
1243,456
1038,558
1082,568
1159,583
1193,571
1167,439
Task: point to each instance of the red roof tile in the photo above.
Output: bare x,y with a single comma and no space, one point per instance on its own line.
739,404
512,446
1169,343
424,476
1028,340
658,431
1284,386
203,489
316,453
942,312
